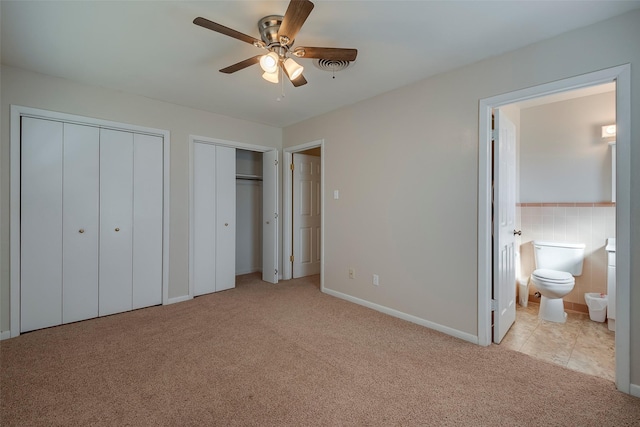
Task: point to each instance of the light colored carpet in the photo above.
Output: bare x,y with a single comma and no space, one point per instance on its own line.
286,354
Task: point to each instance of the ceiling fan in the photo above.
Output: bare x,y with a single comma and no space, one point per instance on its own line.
278,34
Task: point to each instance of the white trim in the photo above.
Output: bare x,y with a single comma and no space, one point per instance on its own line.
5,335
14,229
622,75
193,139
404,316
634,390
287,203
178,299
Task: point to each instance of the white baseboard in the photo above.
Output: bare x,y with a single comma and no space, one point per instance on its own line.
4,335
178,299
404,316
634,390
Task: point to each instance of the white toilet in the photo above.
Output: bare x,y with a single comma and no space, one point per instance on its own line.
556,266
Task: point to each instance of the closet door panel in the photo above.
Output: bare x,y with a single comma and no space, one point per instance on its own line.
41,224
147,220
225,218
116,211
80,222
204,218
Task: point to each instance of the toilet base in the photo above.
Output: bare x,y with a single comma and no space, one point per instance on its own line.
552,310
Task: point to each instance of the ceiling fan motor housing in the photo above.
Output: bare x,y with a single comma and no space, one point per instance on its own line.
269,27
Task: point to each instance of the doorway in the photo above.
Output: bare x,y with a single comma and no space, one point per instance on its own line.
314,149
621,75
564,182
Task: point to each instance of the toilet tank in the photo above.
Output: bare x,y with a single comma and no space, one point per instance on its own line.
559,256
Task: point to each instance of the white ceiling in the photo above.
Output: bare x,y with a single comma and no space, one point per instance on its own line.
153,49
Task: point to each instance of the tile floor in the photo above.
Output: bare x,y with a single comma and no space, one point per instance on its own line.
580,344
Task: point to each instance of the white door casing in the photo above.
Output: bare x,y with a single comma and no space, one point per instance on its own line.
504,208
306,215
270,216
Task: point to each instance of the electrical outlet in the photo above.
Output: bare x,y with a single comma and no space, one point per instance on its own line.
352,273
376,279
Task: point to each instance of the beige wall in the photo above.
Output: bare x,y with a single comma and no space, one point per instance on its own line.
563,157
28,89
406,165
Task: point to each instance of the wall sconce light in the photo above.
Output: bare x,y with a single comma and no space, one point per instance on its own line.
608,131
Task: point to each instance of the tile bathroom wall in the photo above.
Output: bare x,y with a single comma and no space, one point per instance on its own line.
588,223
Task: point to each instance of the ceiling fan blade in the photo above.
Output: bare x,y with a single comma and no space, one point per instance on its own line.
294,17
334,53
213,26
241,65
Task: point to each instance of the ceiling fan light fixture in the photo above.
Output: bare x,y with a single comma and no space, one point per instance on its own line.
294,70
271,77
269,62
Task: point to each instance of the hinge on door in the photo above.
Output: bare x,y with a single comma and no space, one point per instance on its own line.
291,166
276,272
275,162
275,215
291,258
494,305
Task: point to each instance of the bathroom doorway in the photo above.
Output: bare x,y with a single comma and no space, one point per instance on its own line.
620,75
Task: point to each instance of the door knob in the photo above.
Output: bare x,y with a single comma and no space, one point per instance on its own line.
81,231
226,224
267,222
117,228
518,232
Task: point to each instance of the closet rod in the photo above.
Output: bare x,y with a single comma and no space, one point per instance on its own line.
249,177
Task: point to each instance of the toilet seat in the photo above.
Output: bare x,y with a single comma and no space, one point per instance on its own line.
553,276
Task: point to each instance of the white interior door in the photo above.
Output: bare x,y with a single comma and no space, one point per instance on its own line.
504,208
204,218
270,216
306,215
225,190
41,224
80,222
116,222
147,220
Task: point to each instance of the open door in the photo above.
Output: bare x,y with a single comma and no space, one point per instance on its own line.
270,216
306,215
504,213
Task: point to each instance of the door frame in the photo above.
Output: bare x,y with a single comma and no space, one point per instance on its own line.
193,139
287,196
17,112
622,76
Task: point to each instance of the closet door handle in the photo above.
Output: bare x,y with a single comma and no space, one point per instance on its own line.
226,224
117,229
267,222
81,231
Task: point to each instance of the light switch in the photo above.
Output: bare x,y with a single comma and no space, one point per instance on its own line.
336,194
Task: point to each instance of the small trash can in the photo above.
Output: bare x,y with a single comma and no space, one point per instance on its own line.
597,304
523,291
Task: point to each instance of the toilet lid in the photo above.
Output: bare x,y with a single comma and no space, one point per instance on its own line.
553,276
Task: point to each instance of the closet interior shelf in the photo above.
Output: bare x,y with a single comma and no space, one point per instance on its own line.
248,177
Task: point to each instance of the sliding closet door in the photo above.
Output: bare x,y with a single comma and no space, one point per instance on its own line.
204,219
225,260
80,223
41,224
116,209
147,220
270,215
